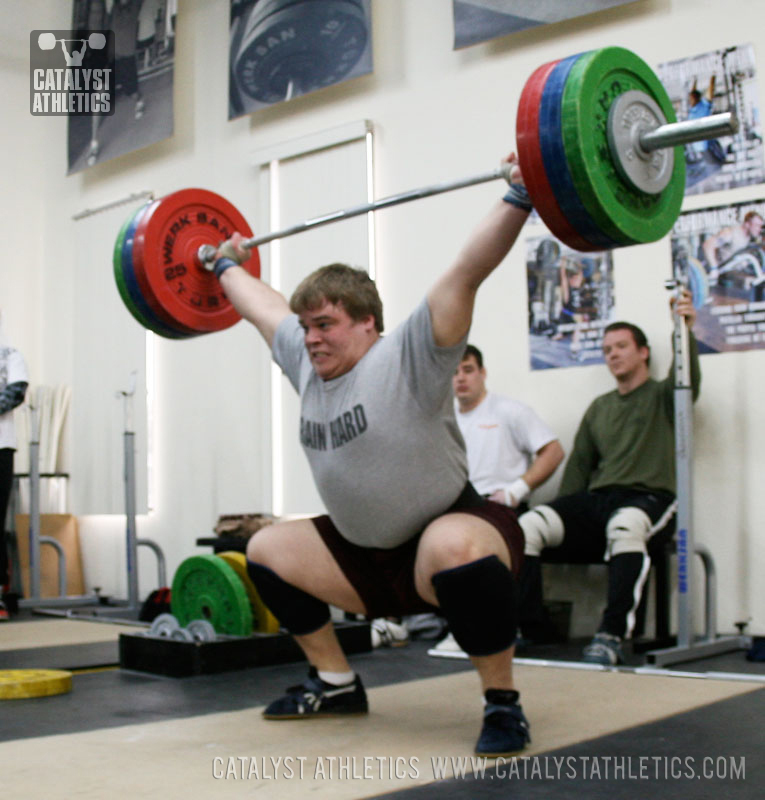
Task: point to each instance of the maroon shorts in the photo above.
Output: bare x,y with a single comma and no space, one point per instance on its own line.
384,578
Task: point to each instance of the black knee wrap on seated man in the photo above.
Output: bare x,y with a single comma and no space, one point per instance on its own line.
479,601
296,610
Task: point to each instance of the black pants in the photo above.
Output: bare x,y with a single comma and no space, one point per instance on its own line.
6,484
585,516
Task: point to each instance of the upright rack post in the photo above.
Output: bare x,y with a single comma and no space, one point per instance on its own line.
688,647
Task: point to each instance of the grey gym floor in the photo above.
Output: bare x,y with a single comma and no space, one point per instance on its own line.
596,733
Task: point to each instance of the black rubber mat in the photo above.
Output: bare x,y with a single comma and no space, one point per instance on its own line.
69,657
114,697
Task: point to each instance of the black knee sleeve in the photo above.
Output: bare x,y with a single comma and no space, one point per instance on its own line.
296,610
479,601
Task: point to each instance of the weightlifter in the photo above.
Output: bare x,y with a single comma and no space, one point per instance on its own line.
405,532
618,486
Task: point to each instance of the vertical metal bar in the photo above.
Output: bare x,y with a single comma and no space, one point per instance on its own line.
683,469
131,537
34,503
131,557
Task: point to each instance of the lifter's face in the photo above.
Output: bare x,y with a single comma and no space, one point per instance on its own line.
334,341
469,383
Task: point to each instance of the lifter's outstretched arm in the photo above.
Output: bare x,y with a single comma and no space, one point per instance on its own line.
452,298
255,300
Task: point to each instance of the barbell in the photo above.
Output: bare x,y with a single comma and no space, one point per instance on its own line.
598,146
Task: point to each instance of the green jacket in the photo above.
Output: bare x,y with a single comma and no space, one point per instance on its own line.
629,440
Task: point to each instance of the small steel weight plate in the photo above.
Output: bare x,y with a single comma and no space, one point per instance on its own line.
532,164
263,620
621,210
632,114
182,635
201,630
16,684
176,286
163,626
205,587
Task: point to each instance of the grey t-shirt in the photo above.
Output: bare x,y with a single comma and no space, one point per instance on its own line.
382,442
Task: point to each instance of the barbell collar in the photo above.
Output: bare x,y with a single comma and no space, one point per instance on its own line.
206,253
693,130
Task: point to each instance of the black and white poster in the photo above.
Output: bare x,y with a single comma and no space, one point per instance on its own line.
480,20
144,50
281,49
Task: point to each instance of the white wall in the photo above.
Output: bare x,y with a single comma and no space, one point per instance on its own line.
438,114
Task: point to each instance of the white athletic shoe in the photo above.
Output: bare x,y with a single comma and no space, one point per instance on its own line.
388,634
447,648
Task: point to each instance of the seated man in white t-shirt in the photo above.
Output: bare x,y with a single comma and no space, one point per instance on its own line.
510,450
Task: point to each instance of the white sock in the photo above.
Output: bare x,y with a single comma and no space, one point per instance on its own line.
337,678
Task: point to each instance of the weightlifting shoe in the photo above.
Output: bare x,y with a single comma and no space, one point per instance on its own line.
605,648
317,698
505,729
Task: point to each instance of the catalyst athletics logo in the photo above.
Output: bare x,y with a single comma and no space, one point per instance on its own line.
71,73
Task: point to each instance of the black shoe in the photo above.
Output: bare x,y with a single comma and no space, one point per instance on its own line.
505,728
317,698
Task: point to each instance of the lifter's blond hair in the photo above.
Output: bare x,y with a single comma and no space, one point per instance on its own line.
340,284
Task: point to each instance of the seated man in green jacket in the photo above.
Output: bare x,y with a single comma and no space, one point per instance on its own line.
618,487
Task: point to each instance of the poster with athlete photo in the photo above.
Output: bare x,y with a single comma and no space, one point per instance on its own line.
722,253
714,83
144,69
570,301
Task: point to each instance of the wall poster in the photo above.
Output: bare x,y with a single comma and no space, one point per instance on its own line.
480,20
713,83
281,49
144,70
721,250
570,301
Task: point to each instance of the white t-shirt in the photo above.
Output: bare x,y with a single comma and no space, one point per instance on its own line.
12,370
501,435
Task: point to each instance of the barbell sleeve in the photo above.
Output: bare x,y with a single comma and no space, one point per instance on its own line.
692,130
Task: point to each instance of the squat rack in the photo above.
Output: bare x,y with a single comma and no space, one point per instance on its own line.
688,647
61,605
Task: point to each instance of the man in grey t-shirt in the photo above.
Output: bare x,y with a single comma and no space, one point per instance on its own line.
405,530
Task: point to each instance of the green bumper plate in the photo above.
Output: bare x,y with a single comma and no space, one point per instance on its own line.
206,587
623,212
